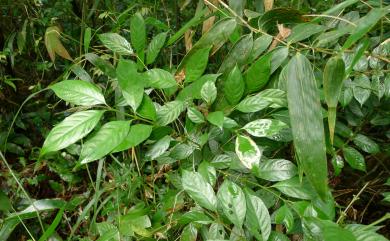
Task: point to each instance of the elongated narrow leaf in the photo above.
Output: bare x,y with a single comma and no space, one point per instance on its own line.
196,64
138,32
218,34
364,25
209,92
306,122
130,83
361,88
264,127
334,74
366,144
170,112
160,79
155,46
70,130
247,151
252,104
275,170
257,75
116,43
257,216
336,9
199,190
137,134
104,141
232,200
234,86
239,53
303,31
78,92
260,45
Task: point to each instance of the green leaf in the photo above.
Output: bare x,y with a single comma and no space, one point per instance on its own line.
336,9
138,32
260,45
362,89
303,31
158,148
257,216
338,164
334,74
234,86
196,64
190,233
354,158
209,92
364,25
194,216
116,43
294,188
218,34
199,190
276,97
70,130
195,115
160,79
155,46
102,64
131,85
276,236
216,118
278,16
170,112
366,144
208,172
252,104
238,55
275,170
137,134
78,92
257,75
232,200
247,151
284,216
5,204
192,91
264,127
279,55
81,73
306,122
358,55
147,109
98,146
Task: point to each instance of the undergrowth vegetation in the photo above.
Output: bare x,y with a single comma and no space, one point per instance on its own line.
195,120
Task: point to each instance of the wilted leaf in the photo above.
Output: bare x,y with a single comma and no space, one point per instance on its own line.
54,45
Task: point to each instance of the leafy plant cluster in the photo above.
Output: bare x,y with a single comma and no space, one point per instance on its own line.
241,133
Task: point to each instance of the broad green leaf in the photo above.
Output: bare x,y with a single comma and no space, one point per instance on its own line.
199,190
260,45
237,6
252,104
81,73
158,148
97,146
105,66
234,86
137,134
70,130
247,151
216,118
116,43
346,96
5,203
294,188
264,127
218,34
361,89
275,170
195,115
306,122
107,231
78,92
276,97
338,164
209,92
257,75
194,216
147,109
138,32
208,172
216,232
160,79
366,144
257,216
155,46
364,25
170,112
232,200
37,206
354,158
181,151
276,236
279,55
362,234
192,91
279,16
334,74
303,31
358,55
337,233
336,9
130,83
285,216
190,233
238,55
196,64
